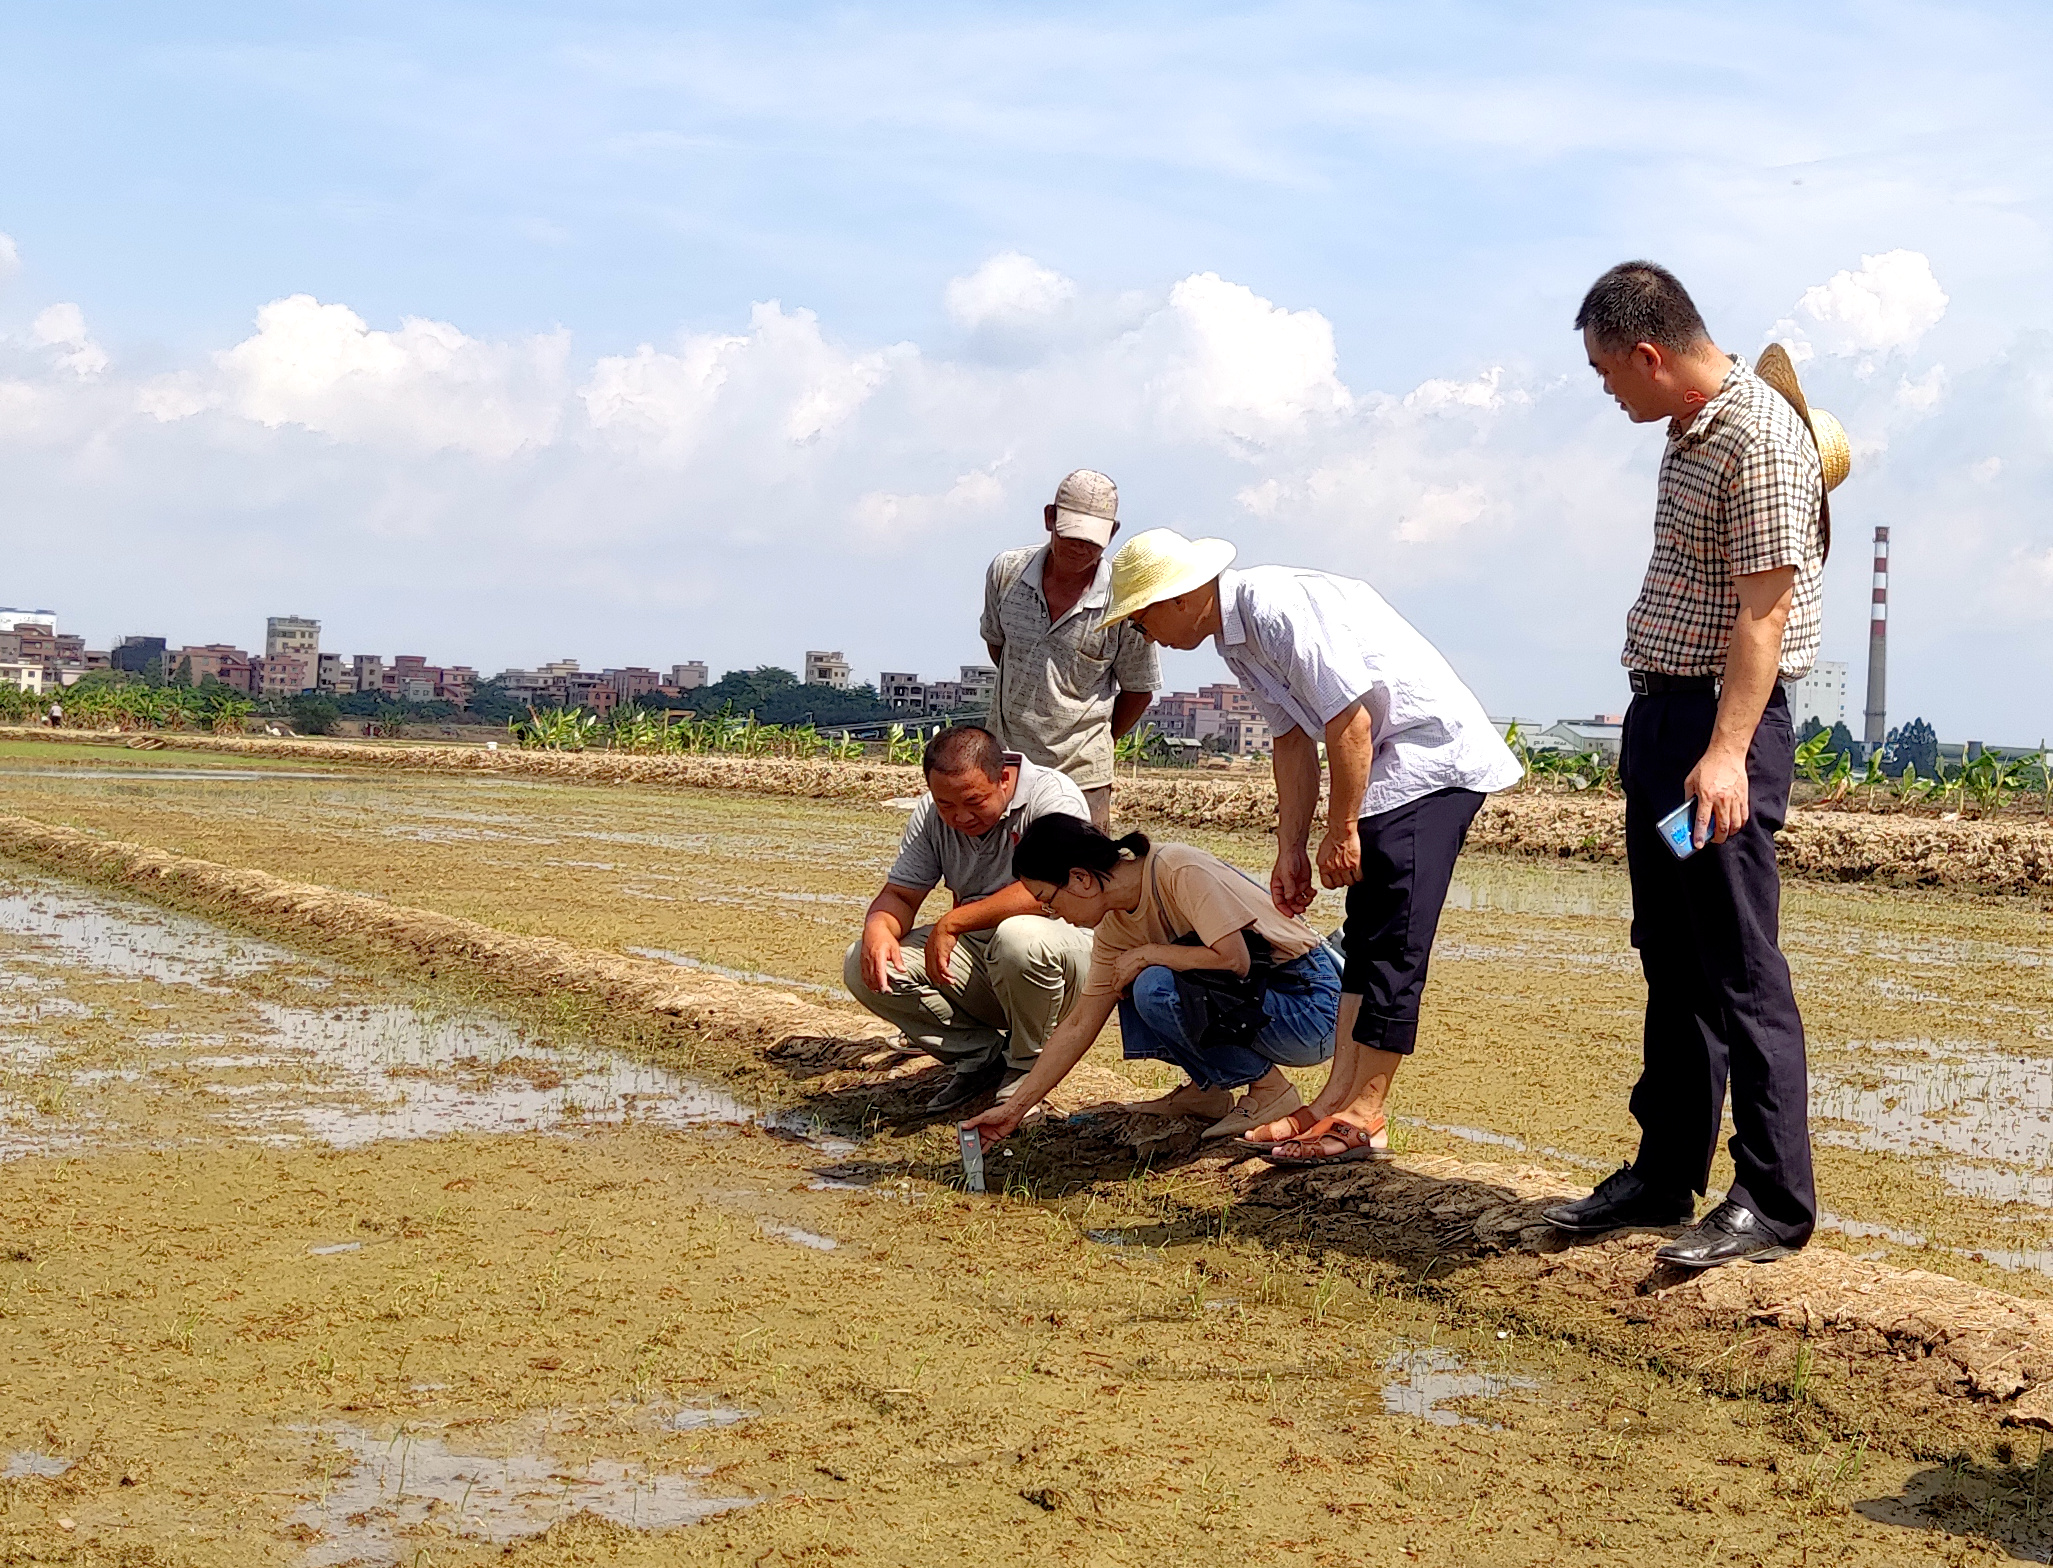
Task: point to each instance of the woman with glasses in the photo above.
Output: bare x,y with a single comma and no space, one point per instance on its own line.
1206,974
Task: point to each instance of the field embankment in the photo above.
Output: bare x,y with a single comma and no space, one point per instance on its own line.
2004,854
1921,1352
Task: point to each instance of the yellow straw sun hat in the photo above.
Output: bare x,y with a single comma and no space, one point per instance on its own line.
1160,564
1835,452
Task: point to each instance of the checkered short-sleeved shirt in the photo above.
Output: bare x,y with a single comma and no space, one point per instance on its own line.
1740,493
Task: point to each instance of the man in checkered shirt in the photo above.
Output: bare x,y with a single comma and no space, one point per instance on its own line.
1729,610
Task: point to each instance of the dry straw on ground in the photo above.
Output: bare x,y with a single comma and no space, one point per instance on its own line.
2002,855
1929,1343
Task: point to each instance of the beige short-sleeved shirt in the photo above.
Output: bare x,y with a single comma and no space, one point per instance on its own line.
1057,680
1198,892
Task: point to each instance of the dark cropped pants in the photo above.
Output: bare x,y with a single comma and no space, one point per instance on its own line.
1408,856
1720,1006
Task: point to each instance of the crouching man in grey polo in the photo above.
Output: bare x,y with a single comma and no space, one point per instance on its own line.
985,985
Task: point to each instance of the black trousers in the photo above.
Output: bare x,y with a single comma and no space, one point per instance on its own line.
1720,1006
1408,857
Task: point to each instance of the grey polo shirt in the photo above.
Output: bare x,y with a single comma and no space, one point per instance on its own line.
1057,681
973,868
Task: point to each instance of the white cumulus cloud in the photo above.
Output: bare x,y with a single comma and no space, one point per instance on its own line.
1241,367
977,494
1485,392
427,386
64,327
781,376
1890,302
1008,290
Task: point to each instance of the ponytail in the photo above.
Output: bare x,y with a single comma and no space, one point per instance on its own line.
1052,847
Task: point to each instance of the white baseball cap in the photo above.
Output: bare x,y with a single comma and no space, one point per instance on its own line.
1087,507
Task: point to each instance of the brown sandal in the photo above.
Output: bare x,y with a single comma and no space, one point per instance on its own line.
1356,1143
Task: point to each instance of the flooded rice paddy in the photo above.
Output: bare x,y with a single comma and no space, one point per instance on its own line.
303,1266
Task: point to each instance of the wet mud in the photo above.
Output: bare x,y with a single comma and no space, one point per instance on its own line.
668,1329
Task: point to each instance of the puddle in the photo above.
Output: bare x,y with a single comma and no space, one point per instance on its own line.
704,1418
26,1462
1557,891
753,976
197,775
404,1491
1921,1100
343,1075
804,1238
1424,1379
131,940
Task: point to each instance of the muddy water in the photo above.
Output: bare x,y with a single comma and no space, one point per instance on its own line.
302,1268
1916,1005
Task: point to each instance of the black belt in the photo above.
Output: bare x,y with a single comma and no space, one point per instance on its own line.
1652,683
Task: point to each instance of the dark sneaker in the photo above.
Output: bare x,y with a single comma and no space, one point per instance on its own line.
965,1088
1730,1233
1621,1200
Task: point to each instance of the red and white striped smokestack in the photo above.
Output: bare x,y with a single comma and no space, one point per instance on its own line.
1877,728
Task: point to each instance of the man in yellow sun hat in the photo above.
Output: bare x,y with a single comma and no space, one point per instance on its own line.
1731,608
1411,756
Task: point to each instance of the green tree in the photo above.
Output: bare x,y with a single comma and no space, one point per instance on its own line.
313,715
1916,743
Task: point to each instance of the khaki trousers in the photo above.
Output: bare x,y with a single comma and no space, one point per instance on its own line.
1008,989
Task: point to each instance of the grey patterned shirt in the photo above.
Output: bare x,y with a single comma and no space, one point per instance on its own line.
1057,682
971,868
1740,493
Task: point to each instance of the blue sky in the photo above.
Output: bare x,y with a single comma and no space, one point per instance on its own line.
1296,275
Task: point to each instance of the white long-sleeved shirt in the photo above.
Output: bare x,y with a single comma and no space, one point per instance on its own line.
1307,644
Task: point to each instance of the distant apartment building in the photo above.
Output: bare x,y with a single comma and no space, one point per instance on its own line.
979,684
827,669
1198,716
634,683
142,656
281,674
903,690
1820,695
12,620
215,661
366,672
413,679
293,634
592,691
1235,734
334,676
20,673
689,677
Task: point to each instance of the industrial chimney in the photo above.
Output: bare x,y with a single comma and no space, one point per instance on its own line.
1877,729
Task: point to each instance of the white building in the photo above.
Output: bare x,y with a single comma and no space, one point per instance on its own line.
1820,695
16,620
827,669
690,676
1604,734
27,675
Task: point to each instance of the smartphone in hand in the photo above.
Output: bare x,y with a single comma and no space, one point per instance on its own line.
1679,829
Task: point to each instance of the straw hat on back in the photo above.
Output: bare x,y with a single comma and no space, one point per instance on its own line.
1160,564
1835,453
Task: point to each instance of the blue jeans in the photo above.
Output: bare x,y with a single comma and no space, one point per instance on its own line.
1299,1032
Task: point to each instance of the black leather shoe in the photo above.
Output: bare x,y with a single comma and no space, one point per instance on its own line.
1730,1233
963,1088
1621,1199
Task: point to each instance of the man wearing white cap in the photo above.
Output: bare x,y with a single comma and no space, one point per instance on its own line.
1069,684
1411,757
